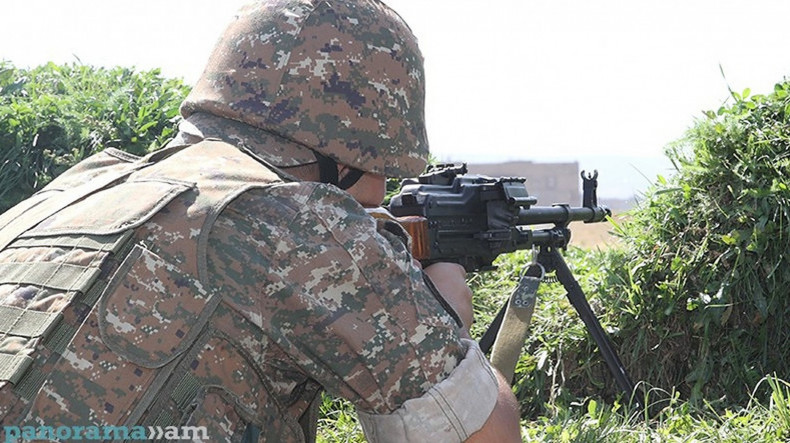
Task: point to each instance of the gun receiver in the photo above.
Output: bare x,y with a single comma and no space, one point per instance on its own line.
472,219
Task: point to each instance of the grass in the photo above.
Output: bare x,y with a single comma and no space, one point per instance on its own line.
678,421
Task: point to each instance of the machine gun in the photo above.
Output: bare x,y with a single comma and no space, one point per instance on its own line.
469,219
472,219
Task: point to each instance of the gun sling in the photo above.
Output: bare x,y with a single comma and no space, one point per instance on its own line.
515,324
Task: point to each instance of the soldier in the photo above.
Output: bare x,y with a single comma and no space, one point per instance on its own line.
227,279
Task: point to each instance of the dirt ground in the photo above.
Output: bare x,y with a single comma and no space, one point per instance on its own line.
591,235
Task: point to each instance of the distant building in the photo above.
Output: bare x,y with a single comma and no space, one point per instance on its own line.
549,182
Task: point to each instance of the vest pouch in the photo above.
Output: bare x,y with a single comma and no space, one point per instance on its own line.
113,369
232,416
86,178
148,313
103,162
151,312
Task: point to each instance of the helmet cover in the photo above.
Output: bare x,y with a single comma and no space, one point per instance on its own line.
342,77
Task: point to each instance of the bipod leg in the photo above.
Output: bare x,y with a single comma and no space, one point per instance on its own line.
551,259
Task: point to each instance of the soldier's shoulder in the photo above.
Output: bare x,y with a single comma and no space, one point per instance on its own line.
290,199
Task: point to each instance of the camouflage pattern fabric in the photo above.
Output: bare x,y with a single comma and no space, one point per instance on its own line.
344,303
241,297
343,78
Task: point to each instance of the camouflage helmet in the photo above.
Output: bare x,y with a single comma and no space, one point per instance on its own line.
341,78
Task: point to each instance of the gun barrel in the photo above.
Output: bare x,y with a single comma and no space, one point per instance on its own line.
561,215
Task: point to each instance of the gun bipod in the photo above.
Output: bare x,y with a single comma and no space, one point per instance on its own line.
552,261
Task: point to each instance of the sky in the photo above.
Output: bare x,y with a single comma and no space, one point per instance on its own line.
606,83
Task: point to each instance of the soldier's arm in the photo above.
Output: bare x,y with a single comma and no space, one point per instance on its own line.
503,423
352,312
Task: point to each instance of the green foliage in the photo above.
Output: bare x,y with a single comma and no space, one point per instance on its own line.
706,277
53,116
678,421
338,422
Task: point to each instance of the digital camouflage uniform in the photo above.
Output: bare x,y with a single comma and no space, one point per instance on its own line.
202,286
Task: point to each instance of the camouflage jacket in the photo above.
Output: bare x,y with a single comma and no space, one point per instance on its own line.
196,287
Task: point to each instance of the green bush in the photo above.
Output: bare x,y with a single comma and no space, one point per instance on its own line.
701,294
696,298
53,116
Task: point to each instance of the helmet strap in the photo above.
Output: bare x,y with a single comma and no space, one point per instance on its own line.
327,168
351,178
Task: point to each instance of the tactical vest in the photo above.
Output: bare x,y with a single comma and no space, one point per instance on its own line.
104,301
